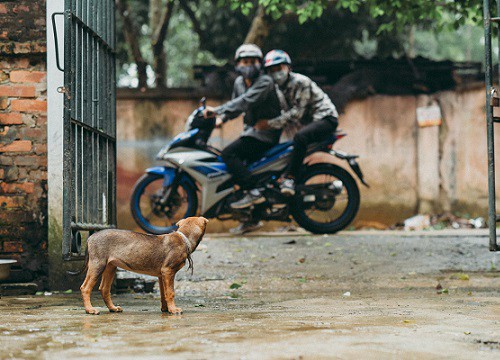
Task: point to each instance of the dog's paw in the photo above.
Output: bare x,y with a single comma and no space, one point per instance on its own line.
92,311
175,310
116,309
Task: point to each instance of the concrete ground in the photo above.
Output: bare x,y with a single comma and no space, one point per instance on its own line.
355,295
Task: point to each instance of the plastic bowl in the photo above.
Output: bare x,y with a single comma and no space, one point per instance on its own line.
5,265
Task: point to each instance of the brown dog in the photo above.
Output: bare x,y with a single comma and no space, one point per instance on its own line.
161,256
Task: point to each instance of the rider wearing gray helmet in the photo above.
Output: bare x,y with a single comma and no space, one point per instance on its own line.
254,95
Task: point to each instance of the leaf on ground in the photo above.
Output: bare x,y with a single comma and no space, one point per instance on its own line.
69,291
235,286
302,280
199,305
460,276
302,260
291,242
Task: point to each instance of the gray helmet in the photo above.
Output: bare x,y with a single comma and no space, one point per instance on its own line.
248,51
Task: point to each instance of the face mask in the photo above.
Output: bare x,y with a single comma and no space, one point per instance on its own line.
280,77
250,71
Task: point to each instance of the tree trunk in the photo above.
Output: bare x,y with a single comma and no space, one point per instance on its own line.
259,30
194,20
157,43
132,38
155,7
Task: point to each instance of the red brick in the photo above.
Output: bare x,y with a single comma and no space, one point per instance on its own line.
32,160
38,175
2,173
17,91
3,75
11,119
29,105
40,148
4,102
11,201
13,246
16,146
20,8
42,120
3,9
17,188
27,76
34,133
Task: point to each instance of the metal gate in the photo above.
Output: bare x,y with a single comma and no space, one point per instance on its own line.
89,163
492,102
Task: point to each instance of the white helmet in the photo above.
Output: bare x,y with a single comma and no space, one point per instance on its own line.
248,51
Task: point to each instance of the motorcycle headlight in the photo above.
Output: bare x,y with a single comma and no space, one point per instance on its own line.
163,151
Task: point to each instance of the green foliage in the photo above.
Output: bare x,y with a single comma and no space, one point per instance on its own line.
313,29
399,13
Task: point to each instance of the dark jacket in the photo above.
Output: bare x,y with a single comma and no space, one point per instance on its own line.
257,102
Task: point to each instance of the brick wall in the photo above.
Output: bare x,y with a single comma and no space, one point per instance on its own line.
23,139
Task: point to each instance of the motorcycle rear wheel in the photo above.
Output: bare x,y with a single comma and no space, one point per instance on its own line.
318,208
153,216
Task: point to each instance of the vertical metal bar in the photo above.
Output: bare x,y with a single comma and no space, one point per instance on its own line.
67,174
112,80
490,127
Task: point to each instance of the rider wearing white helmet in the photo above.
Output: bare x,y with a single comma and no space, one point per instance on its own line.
254,94
309,106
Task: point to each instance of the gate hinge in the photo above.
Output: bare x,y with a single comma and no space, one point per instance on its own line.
494,101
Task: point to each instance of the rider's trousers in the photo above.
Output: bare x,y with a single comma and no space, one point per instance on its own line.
310,133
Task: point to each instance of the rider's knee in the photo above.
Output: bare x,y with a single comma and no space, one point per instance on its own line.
300,139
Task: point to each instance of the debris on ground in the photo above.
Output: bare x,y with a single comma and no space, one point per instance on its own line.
418,222
442,221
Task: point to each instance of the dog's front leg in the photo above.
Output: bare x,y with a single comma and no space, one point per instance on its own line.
168,276
162,294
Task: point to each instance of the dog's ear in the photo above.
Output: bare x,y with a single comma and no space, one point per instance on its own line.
180,222
204,219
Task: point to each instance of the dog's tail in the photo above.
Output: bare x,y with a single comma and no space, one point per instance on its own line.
85,265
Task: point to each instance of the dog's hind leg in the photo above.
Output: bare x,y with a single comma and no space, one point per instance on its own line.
105,287
94,271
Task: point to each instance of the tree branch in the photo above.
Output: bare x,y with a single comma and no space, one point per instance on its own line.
259,30
157,43
192,16
131,34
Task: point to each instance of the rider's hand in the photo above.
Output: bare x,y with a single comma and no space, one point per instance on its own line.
262,125
218,123
209,112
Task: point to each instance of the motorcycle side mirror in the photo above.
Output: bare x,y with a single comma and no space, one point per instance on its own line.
203,103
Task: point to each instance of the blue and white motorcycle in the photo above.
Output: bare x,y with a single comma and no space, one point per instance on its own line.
195,181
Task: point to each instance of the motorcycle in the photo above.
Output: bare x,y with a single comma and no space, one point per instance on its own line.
195,180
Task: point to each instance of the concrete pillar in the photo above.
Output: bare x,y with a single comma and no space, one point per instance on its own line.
427,164
55,105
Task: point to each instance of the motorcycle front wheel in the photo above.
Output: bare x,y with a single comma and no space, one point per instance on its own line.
326,200
156,209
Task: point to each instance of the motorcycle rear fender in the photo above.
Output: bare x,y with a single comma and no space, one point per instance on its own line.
351,160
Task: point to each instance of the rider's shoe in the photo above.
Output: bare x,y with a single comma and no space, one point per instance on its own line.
287,187
254,196
246,227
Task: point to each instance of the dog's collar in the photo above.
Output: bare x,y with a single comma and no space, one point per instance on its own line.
186,240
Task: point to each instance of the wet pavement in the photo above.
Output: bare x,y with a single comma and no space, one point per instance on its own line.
348,296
